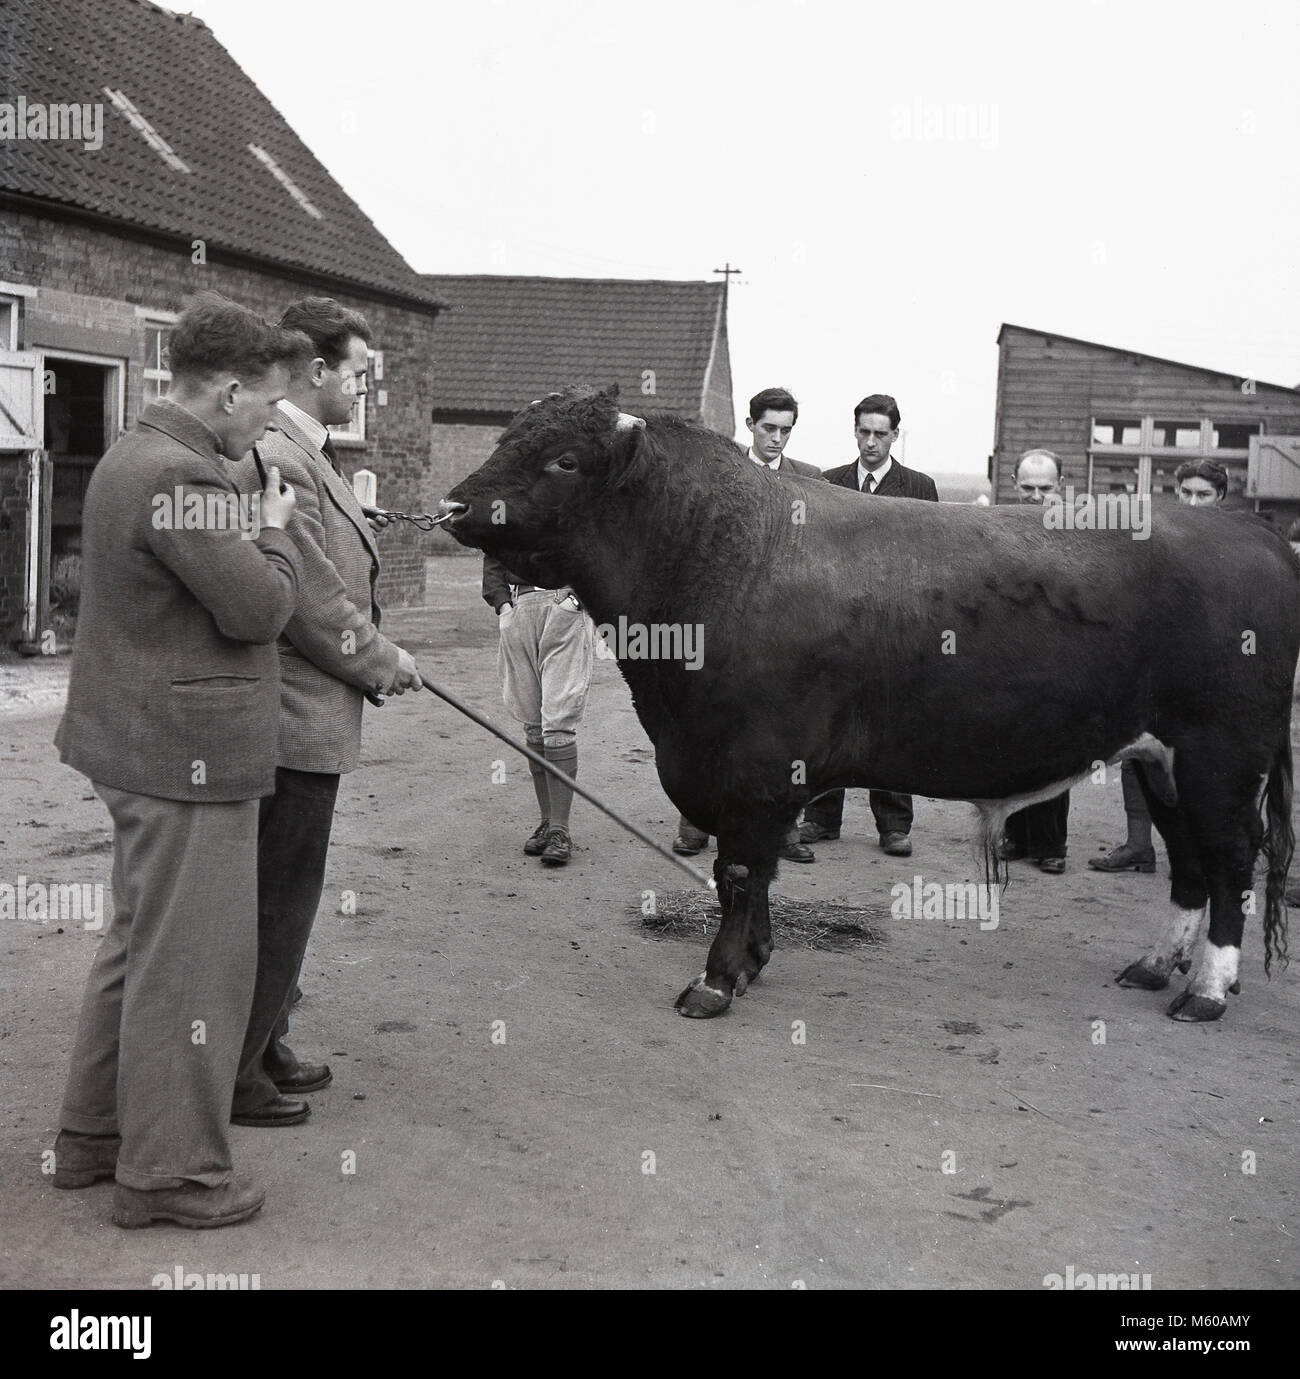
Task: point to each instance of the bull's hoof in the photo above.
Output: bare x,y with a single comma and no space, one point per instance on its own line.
746,977
1140,975
1235,989
1199,1009
1185,966
702,1002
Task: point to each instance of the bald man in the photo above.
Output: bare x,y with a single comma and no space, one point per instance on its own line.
1037,833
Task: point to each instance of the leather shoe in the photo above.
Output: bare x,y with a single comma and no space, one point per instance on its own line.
1125,858
80,1160
896,844
687,849
1053,866
281,1111
537,839
558,849
797,852
196,1206
309,1077
816,833
1010,852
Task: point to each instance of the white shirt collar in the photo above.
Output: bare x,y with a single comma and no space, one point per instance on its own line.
877,474
769,464
315,431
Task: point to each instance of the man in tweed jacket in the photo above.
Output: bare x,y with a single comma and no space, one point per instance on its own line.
331,655
171,712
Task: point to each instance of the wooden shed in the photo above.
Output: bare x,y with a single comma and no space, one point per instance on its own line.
1122,421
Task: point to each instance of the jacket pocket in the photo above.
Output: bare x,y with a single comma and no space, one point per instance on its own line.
215,682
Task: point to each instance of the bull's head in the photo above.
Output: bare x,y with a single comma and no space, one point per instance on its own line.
546,473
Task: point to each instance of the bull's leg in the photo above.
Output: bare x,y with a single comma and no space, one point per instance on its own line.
1176,940
706,995
1231,849
744,940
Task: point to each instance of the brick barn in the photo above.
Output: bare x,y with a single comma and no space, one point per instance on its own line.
138,166
1122,422
505,340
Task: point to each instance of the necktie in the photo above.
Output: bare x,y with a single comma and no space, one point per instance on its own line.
327,449
870,485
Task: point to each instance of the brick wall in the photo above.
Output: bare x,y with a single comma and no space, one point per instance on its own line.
457,449
90,282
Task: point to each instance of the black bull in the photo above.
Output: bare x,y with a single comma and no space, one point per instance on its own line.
943,650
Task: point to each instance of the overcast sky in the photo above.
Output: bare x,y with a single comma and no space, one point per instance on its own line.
895,181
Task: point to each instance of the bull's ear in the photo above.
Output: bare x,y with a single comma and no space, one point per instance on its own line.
612,392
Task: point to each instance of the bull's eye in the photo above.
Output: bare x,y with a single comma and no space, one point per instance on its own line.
566,462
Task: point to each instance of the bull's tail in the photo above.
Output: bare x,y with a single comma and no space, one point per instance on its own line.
1279,845
991,823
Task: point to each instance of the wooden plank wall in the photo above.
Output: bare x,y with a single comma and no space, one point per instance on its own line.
1050,388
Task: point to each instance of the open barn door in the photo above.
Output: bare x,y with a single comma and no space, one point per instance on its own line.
22,440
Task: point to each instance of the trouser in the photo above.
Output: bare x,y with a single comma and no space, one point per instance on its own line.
698,838
1135,802
892,813
166,1003
545,656
1039,830
293,841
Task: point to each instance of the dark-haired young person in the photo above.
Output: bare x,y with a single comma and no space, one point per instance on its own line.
172,713
1198,484
876,420
771,418
331,654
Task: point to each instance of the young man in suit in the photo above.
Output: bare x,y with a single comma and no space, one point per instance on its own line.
172,714
331,655
876,420
1038,832
772,417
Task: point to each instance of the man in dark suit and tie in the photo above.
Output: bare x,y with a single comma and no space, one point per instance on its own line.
172,713
331,654
875,427
771,419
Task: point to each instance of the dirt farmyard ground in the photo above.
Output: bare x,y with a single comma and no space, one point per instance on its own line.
936,1110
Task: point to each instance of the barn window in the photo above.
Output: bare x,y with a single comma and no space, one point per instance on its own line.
1178,435
1234,435
1117,431
1140,455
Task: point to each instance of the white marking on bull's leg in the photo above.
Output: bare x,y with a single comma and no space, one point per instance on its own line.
1178,938
700,983
1216,972
1174,945
1206,995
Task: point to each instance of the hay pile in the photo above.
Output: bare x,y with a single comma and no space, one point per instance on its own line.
693,916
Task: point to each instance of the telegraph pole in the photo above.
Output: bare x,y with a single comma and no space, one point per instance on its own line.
727,270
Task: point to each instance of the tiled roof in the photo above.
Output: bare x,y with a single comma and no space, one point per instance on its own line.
193,96
503,341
